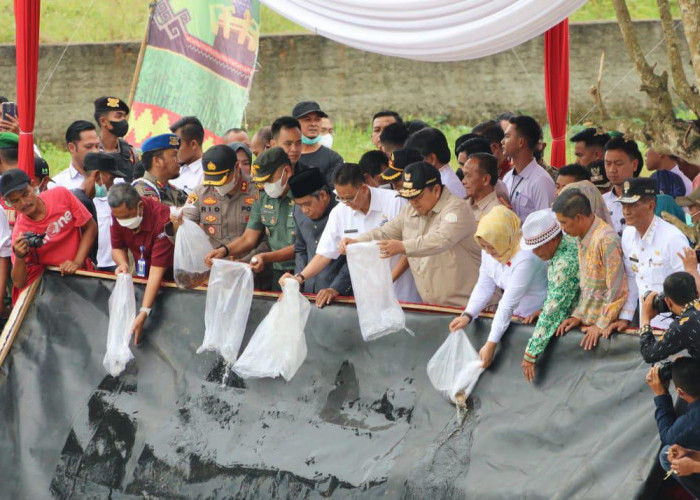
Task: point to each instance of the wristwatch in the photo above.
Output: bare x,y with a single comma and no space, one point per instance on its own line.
225,247
465,314
146,310
300,276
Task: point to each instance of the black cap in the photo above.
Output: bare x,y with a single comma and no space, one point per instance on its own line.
104,162
217,162
598,175
267,164
417,177
306,182
13,180
106,103
41,168
399,160
303,108
636,187
239,145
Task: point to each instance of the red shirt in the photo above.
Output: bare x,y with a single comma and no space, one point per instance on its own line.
158,249
65,215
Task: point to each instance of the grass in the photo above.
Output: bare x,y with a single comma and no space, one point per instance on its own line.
119,20
350,141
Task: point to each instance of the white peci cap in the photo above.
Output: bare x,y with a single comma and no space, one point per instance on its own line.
539,228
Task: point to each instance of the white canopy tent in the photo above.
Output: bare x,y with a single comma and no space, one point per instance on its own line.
428,30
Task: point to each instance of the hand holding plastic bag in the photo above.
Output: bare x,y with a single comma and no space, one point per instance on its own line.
191,246
122,312
378,310
278,346
229,297
455,368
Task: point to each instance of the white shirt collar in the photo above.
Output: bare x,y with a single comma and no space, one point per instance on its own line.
528,170
195,166
73,172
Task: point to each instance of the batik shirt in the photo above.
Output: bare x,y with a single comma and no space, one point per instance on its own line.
603,281
562,295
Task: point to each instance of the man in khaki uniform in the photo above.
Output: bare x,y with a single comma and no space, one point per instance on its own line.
222,203
160,161
271,214
436,231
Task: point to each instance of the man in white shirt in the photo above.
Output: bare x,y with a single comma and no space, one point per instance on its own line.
650,248
361,209
81,139
658,161
191,133
432,145
530,187
622,161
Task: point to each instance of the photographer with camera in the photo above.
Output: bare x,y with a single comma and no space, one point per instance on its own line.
679,298
677,430
52,229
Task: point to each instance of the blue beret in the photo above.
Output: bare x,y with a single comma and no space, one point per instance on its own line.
162,141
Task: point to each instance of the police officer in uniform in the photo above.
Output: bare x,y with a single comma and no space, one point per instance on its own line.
222,203
272,214
160,162
112,115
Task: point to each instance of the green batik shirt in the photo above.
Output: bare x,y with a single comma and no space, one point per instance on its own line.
275,216
562,296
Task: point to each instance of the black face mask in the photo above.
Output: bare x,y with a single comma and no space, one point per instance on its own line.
119,128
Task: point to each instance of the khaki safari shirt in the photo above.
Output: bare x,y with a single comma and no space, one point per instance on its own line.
442,253
223,218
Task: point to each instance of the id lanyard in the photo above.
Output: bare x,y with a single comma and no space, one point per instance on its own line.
141,264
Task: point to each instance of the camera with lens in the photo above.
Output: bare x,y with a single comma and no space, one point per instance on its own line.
665,371
659,302
34,240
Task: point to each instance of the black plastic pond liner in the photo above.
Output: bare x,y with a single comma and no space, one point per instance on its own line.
359,420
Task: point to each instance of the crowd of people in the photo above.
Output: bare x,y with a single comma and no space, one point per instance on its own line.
591,245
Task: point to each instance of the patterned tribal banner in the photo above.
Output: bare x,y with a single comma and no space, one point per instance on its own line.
199,61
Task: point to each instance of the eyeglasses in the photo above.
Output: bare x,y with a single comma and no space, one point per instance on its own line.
348,201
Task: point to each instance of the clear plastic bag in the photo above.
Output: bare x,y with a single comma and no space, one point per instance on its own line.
122,312
278,346
455,368
191,246
378,310
229,296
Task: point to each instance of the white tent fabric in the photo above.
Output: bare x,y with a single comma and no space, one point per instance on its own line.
428,30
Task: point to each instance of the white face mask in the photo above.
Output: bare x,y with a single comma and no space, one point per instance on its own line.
226,188
275,189
131,223
327,140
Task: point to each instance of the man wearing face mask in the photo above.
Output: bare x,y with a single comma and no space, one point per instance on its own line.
327,132
273,213
100,172
223,202
142,226
160,162
313,152
111,115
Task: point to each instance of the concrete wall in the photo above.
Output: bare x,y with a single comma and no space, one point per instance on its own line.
352,85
